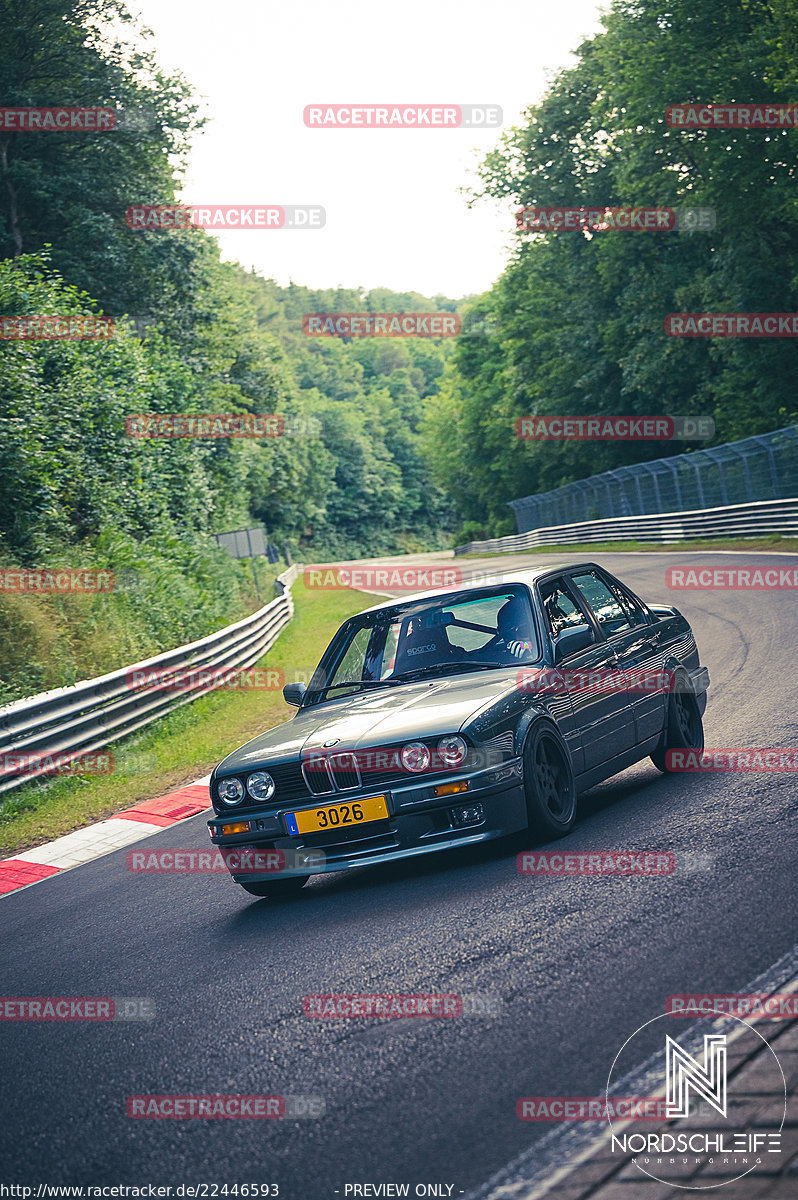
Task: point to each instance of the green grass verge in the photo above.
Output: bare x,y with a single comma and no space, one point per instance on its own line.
787,545
184,745
164,595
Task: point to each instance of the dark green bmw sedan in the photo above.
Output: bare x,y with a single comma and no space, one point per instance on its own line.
449,718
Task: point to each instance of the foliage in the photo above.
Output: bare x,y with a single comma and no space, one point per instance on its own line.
193,334
579,317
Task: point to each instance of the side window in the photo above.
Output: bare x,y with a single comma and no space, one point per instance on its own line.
560,609
635,614
605,604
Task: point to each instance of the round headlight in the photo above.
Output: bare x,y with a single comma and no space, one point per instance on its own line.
230,791
260,786
452,750
415,756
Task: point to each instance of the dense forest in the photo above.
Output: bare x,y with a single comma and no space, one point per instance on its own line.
345,477
389,444
576,322
201,335
193,334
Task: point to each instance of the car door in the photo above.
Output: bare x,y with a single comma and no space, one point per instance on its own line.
603,716
641,656
615,625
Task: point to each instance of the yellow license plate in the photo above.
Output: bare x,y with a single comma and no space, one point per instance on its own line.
337,816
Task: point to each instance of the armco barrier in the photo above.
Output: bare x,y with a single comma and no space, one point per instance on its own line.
96,712
760,518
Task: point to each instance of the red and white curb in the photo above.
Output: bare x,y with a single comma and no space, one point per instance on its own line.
130,825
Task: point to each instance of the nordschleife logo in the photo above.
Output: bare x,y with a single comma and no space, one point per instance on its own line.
710,1135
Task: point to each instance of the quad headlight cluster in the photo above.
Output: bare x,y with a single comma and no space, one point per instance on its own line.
260,786
451,750
415,757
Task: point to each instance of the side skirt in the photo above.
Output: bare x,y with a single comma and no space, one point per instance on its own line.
613,765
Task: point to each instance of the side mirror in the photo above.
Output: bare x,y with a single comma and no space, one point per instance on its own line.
294,693
571,641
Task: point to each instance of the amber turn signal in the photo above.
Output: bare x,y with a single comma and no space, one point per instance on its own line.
451,789
239,827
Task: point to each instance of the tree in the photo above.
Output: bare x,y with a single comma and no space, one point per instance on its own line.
581,315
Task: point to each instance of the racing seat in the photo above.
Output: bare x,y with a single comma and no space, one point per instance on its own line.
512,625
421,645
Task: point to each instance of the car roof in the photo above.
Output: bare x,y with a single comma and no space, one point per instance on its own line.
495,579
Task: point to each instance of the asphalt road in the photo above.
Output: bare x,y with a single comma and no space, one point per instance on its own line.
577,962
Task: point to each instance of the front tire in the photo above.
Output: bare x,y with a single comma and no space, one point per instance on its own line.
277,889
548,783
684,729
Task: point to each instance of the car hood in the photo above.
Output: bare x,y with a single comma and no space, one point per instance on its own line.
427,708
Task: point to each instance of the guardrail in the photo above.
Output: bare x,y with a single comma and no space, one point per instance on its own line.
762,517
283,582
92,714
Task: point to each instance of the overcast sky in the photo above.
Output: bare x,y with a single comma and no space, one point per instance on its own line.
395,215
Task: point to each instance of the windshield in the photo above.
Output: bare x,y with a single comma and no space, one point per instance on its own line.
442,636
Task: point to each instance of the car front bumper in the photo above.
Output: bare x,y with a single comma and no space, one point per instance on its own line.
417,823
